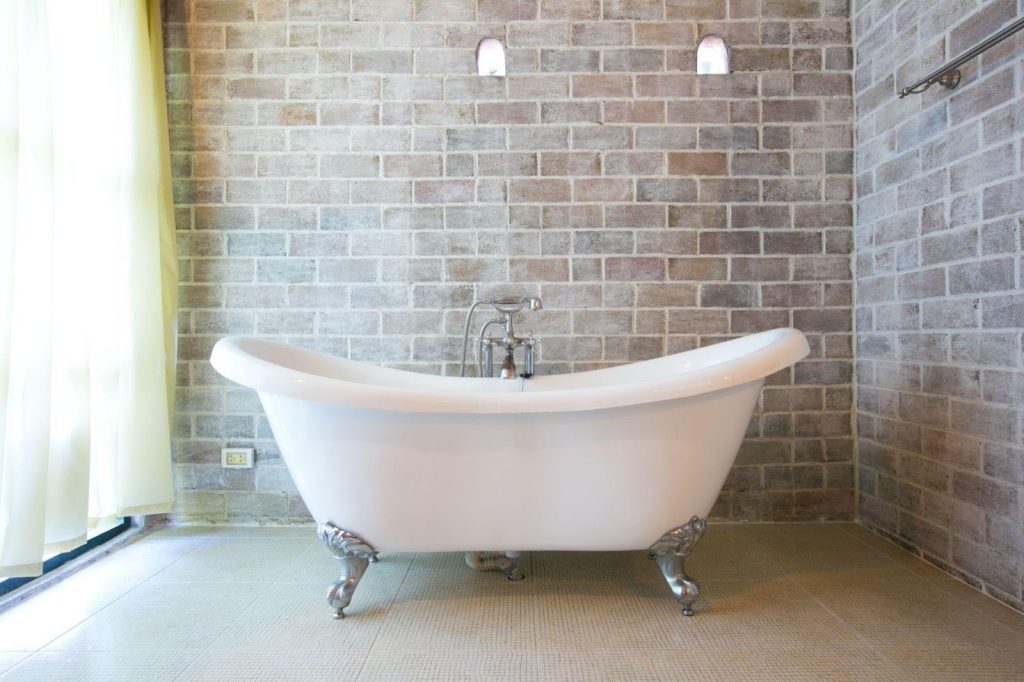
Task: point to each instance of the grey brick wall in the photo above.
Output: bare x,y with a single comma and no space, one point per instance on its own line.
940,310
344,181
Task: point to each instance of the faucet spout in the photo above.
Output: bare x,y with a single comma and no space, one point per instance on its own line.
508,367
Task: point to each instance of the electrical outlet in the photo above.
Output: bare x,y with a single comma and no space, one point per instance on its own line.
236,458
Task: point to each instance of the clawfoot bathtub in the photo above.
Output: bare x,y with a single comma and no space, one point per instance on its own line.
624,458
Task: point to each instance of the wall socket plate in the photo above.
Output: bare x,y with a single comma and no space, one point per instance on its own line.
236,458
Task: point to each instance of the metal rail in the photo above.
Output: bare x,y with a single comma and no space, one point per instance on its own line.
948,74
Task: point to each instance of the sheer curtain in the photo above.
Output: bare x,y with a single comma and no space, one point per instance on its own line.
87,273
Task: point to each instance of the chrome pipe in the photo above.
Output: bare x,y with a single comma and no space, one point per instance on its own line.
949,73
465,336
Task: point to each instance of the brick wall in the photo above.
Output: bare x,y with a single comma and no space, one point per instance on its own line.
939,302
344,181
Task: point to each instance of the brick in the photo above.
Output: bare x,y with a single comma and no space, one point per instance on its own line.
791,9
601,33
634,59
634,112
633,9
983,420
570,60
761,215
667,137
256,88
985,493
635,216
760,163
697,268
760,59
1006,198
570,112
349,113
667,33
728,296
674,190
603,189
459,139
498,10
728,137
759,269
381,61
610,85
982,276
602,242
790,111
223,11
715,242
672,85
729,190
511,112
697,163
532,191
539,270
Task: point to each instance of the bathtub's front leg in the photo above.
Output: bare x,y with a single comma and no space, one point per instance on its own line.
354,554
670,552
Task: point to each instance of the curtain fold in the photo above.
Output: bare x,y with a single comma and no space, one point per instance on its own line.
87,273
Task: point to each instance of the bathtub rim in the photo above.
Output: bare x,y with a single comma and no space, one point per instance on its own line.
236,358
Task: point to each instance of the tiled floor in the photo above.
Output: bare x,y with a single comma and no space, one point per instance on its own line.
800,601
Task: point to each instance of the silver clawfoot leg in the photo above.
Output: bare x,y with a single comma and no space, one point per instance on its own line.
354,554
496,561
670,551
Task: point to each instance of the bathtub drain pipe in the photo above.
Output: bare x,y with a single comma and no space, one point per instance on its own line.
495,561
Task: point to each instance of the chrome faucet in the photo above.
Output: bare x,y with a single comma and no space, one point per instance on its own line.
507,342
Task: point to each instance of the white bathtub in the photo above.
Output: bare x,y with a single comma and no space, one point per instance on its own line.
604,460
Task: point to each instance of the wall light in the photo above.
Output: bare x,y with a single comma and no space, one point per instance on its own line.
490,57
712,55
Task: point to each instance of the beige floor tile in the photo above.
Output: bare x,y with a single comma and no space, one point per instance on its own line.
103,666
317,566
729,553
908,612
779,601
287,617
622,570
894,553
768,616
448,664
678,665
936,665
806,549
230,560
34,623
296,664
163,617
962,593
472,616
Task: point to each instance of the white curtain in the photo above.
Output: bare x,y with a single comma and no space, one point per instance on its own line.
87,273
